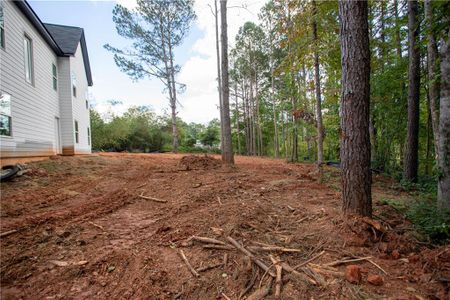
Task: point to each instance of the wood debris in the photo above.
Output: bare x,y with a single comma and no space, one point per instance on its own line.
186,261
152,198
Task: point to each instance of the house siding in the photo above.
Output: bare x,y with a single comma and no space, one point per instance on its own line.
79,111
34,107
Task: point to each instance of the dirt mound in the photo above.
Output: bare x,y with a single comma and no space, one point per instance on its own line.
196,162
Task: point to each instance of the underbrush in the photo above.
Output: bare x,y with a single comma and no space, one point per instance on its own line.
426,215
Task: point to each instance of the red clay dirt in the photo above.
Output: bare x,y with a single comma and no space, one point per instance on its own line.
84,232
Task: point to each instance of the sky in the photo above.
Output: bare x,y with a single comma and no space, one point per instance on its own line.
197,56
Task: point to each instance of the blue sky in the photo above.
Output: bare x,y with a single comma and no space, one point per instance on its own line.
196,56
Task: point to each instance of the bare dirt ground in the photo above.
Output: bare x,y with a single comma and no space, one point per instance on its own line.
84,232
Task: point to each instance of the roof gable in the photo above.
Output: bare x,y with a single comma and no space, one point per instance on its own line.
67,37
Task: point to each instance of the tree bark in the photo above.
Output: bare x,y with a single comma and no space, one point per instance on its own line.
227,154
317,86
433,70
411,163
444,128
219,79
237,117
355,108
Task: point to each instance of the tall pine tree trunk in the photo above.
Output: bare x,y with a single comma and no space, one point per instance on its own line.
411,163
317,86
433,67
444,128
219,77
355,108
227,153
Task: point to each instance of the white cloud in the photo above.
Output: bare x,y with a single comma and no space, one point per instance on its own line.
199,73
200,101
130,4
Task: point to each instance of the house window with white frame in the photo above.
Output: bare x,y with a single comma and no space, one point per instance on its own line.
89,136
74,85
5,114
77,134
28,57
55,77
2,27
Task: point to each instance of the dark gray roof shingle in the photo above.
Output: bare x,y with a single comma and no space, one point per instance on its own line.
67,37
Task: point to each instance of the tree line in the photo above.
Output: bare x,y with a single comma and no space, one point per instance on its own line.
360,82
139,129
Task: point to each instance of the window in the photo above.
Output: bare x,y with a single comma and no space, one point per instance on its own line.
74,85
2,28
89,136
5,114
55,77
28,53
77,139
87,104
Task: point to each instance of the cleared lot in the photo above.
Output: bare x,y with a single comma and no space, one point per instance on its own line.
85,232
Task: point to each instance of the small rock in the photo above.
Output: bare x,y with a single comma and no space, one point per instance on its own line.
375,280
82,263
410,289
353,273
103,283
395,254
110,269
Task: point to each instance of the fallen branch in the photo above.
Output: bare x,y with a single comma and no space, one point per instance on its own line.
261,293
8,232
193,271
309,260
250,284
206,268
96,225
250,255
279,269
225,296
301,276
344,261
273,248
373,263
152,198
225,260
219,247
207,240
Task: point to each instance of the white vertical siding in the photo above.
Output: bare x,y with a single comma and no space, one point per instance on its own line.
33,107
79,110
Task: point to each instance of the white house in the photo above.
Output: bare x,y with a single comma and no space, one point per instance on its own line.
44,79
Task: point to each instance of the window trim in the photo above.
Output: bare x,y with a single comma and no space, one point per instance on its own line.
74,84
77,132
54,77
2,30
10,119
28,56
